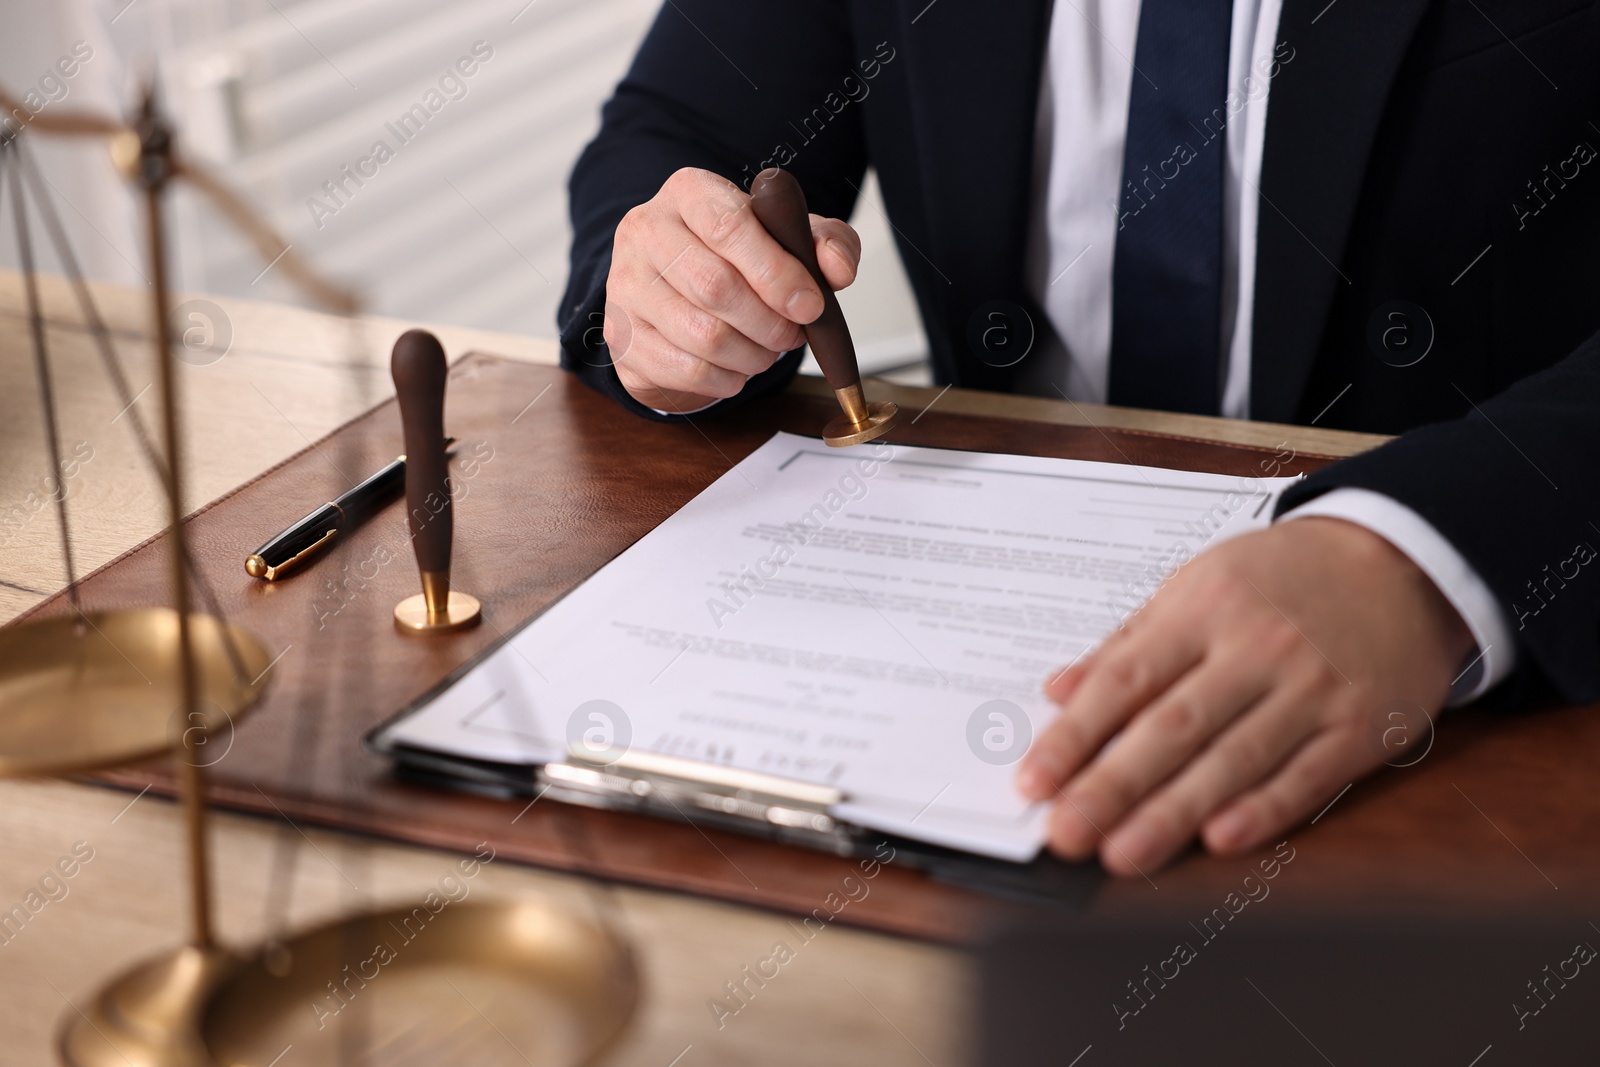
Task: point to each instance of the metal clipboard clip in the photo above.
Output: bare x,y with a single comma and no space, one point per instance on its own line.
692,791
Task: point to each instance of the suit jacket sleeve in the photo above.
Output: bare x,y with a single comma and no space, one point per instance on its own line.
726,86
1515,487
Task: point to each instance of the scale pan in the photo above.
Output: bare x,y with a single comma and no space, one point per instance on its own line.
508,982
104,692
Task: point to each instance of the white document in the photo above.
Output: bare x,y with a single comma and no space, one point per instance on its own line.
879,618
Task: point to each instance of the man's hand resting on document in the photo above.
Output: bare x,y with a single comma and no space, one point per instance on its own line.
700,297
1244,695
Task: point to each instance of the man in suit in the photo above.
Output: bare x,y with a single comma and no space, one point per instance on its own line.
1406,241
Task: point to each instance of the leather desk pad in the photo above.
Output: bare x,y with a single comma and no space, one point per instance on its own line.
554,481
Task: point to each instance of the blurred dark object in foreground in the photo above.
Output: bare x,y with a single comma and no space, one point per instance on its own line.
1464,991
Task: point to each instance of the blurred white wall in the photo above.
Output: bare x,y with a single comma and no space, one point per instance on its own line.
39,44
463,221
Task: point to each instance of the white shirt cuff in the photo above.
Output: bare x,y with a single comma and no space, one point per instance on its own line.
1496,654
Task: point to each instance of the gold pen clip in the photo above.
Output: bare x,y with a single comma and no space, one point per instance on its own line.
257,567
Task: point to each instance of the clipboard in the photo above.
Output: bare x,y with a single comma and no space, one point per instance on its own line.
680,791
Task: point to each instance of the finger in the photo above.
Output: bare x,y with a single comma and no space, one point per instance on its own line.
679,262
1064,682
1158,742
653,362
722,219
1242,756
1124,676
838,250
1311,778
700,332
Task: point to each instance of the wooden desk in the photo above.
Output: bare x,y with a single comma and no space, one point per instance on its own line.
290,377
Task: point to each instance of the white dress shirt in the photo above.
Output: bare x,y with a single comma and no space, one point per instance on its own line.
1080,136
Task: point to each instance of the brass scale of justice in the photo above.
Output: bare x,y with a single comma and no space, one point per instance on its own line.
103,689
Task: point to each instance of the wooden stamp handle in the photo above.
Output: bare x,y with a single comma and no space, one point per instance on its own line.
419,370
780,204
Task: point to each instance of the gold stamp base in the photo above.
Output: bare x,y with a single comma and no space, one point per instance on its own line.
461,611
844,431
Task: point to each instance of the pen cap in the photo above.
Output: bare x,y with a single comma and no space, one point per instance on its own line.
419,370
780,204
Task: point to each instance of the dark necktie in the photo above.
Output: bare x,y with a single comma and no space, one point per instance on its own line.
1166,290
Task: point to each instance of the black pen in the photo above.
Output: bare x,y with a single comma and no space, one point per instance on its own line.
300,542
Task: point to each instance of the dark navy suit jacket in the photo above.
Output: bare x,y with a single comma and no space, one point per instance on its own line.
1431,157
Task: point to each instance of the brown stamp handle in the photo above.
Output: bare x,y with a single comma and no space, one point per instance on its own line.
780,204
419,369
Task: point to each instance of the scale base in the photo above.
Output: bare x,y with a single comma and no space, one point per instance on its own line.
148,1016
461,611
844,430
